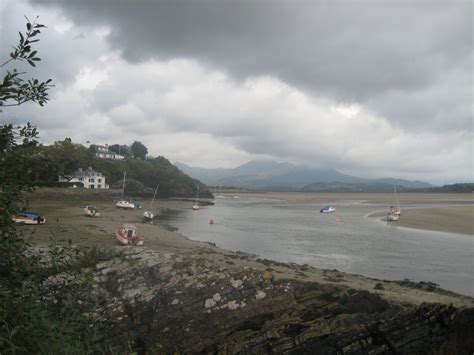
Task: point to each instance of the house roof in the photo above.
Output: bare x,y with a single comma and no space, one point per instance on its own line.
86,172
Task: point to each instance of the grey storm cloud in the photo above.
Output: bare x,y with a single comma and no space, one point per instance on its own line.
409,61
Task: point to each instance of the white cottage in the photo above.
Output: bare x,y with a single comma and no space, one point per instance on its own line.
90,178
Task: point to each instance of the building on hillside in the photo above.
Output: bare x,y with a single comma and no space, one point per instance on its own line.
102,151
89,178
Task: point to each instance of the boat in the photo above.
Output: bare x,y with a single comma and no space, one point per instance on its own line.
327,209
128,235
29,218
392,214
91,211
148,215
122,203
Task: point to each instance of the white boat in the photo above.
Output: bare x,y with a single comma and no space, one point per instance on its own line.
196,206
327,209
392,217
148,215
124,203
91,211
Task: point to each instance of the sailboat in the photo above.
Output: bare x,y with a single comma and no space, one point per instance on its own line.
196,206
148,215
394,212
124,203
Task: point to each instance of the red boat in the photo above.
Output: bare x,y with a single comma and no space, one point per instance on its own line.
129,235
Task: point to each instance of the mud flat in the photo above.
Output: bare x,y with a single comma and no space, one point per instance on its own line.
178,295
448,219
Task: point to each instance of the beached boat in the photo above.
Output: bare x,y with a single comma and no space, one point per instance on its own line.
122,203
393,214
91,211
128,235
196,206
327,209
29,218
148,215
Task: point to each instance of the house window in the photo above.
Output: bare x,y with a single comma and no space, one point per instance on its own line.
99,180
91,180
99,186
91,186
81,178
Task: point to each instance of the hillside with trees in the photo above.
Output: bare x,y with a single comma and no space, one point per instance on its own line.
143,173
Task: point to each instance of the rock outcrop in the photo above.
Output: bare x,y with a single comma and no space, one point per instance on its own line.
157,302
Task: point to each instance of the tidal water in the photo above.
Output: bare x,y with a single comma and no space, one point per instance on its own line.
346,240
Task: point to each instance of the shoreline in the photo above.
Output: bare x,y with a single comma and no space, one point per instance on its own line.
67,221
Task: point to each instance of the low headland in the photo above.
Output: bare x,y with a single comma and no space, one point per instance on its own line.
178,295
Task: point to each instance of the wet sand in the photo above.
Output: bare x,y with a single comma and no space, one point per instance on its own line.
447,219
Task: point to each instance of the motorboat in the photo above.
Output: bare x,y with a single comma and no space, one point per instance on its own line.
128,235
29,218
91,211
327,209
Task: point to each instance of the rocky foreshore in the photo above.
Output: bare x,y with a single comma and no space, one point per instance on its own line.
175,295
162,302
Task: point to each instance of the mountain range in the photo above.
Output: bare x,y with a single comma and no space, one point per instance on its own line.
275,176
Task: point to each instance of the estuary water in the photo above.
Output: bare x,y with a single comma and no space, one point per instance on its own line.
346,240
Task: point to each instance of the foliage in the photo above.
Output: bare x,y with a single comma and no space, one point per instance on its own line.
47,302
123,150
14,90
139,150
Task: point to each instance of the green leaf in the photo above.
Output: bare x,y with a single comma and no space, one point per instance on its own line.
28,26
31,63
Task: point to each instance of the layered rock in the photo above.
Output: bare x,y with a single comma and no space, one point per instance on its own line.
159,302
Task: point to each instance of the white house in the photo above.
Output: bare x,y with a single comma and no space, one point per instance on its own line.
90,178
103,152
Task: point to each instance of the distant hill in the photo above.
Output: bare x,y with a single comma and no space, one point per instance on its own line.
455,188
272,175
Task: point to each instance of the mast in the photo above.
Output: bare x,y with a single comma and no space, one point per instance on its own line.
123,184
151,204
197,194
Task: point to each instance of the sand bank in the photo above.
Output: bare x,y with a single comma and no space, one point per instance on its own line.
459,219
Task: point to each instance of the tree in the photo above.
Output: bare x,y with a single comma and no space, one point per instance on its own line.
36,315
139,150
14,90
123,150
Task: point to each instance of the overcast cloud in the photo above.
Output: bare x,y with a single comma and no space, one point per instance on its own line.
372,88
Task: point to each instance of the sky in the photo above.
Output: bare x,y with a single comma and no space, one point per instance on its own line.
369,88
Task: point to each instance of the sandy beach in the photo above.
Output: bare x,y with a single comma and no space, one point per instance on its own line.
67,221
